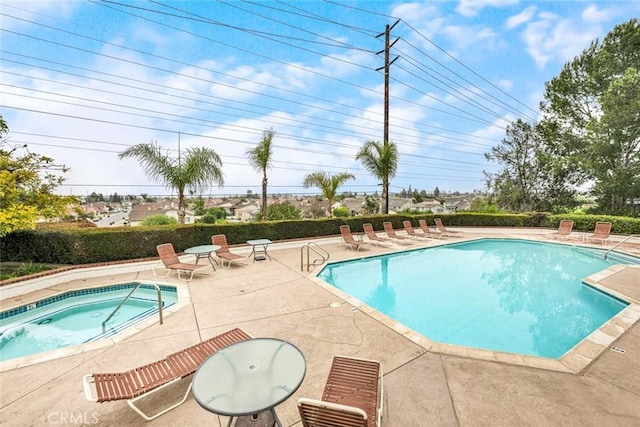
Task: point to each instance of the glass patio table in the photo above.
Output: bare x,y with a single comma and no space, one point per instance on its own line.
259,249
202,251
249,377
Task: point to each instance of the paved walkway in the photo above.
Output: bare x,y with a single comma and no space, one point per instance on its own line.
275,298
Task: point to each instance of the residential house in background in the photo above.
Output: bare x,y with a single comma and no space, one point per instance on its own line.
457,205
354,204
246,211
140,212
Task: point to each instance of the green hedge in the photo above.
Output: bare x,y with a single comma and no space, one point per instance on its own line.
619,224
92,245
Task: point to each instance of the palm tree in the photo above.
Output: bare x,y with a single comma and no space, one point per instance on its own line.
381,160
200,168
327,183
260,159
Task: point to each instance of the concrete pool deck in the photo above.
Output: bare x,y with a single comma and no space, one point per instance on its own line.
423,386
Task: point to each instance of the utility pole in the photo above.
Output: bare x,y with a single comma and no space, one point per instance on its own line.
385,138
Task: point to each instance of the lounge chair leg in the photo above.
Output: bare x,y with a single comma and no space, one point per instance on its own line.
155,266
152,417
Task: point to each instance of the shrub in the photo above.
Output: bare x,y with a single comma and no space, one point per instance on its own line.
282,211
159,219
341,212
89,245
23,270
208,219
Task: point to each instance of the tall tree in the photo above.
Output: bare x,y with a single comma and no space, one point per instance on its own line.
530,178
327,183
260,159
381,160
591,115
199,169
282,211
27,185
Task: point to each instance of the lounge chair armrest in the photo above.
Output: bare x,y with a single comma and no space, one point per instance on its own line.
87,380
333,407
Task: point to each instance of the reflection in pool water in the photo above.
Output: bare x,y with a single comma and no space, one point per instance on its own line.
506,295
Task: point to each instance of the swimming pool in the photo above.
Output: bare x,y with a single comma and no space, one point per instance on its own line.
76,317
506,295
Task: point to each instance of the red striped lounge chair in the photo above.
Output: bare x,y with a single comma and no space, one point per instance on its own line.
171,262
391,233
142,381
374,238
224,253
428,230
601,233
564,229
444,231
352,396
411,232
348,240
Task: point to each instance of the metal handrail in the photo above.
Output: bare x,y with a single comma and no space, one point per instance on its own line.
619,243
309,248
104,327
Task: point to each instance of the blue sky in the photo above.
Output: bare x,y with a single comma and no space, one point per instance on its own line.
83,80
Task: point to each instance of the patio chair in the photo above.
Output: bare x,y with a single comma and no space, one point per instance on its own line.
411,232
171,262
391,233
564,229
444,231
145,380
428,230
348,240
373,237
352,396
223,253
602,232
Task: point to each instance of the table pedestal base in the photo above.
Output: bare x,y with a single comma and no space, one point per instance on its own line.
263,419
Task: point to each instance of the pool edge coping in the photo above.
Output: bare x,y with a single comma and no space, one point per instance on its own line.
573,361
184,299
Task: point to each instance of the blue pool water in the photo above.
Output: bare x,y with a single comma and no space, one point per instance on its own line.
76,317
513,296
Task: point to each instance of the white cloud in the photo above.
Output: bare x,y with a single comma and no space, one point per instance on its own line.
415,13
61,8
472,7
463,37
430,23
594,15
521,18
423,16
554,39
506,85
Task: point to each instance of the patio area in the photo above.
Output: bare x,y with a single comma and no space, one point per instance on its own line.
423,385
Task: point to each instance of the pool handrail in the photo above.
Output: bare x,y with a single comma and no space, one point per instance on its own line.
320,251
619,243
104,324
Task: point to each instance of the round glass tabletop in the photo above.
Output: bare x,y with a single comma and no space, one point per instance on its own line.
249,377
203,249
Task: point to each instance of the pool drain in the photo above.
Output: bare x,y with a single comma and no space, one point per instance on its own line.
618,350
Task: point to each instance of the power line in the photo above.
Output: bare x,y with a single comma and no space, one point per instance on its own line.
416,130
306,125
440,49
471,116
186,64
